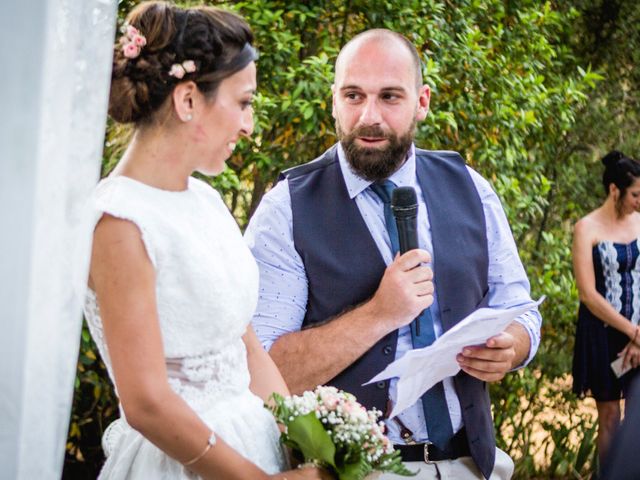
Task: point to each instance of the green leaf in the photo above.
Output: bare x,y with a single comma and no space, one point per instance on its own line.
392,462
353,471
307,112
312,439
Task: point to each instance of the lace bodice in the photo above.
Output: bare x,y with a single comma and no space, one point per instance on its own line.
206,284
617,272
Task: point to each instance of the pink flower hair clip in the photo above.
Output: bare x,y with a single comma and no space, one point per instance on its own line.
179,70
132,41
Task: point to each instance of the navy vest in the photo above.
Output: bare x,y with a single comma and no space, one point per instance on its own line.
344,267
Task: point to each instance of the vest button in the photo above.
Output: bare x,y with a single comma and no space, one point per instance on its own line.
387,350
381,385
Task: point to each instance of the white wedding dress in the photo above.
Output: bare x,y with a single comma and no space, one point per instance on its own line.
206,290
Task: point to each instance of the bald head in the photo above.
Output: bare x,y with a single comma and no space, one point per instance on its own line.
386,39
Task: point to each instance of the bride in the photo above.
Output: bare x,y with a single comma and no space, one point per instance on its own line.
172,287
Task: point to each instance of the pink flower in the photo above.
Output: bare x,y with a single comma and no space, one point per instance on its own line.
177,71
132,31
189,66
132,41
139,40
131,50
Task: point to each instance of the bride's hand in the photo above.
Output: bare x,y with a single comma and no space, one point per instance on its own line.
306,473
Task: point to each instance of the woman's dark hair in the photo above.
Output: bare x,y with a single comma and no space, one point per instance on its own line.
216,41
619,170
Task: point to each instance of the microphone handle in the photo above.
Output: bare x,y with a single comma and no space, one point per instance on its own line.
408,240
407,233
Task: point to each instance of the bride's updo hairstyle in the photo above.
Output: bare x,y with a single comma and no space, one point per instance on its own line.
162,45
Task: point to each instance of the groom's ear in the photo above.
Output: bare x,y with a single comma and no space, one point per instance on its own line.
424,98
184,98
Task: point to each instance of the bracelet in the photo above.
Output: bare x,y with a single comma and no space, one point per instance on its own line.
210,442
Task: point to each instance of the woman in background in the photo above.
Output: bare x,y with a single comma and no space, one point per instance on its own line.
172,284
607,270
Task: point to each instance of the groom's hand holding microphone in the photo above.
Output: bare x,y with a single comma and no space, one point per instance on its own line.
406,288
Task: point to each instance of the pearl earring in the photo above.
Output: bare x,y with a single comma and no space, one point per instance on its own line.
188,118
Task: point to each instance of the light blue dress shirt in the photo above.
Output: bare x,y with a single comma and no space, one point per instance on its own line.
284,286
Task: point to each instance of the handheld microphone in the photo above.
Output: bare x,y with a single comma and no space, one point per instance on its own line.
404,205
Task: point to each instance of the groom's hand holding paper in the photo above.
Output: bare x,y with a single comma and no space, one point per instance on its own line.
491,361
418,370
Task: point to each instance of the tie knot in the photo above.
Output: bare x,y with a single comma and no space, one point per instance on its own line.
383,190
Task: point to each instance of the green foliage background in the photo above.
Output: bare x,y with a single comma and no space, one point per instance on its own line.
531,93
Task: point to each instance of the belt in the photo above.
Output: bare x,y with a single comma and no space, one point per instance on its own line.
427,452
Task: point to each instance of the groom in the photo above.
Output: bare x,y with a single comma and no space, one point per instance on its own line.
337,305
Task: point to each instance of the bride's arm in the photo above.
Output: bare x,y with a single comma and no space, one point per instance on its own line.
124,281
265,376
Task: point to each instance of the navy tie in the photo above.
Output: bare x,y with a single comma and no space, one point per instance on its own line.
434,402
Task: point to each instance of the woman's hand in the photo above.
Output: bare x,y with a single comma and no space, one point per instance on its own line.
635,339
631,355
305,473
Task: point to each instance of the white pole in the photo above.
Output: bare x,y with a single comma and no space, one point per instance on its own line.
55,62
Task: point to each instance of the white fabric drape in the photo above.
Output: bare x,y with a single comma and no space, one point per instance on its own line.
56,57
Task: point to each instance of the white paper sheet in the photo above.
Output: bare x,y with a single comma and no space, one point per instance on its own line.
420,369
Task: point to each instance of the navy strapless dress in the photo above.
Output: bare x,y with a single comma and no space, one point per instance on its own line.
617,272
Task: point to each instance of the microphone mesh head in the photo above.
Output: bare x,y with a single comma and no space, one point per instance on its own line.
404,197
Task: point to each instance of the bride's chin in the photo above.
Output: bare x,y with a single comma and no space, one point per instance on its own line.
211,171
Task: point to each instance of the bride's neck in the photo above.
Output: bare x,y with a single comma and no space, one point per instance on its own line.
156,160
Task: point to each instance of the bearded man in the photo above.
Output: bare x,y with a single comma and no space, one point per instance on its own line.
337,303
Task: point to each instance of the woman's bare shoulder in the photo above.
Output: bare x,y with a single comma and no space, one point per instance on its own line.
589,224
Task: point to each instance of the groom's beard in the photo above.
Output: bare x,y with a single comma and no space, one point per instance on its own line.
371,163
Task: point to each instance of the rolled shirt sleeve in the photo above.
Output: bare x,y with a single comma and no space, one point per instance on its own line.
508,283
282,300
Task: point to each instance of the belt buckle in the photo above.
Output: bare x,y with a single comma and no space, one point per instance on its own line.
426,452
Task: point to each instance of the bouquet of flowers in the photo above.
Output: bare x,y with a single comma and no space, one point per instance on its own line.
329,428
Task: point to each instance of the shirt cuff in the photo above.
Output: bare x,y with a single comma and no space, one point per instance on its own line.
531,321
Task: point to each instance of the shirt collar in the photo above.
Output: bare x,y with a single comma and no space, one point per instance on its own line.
403,177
